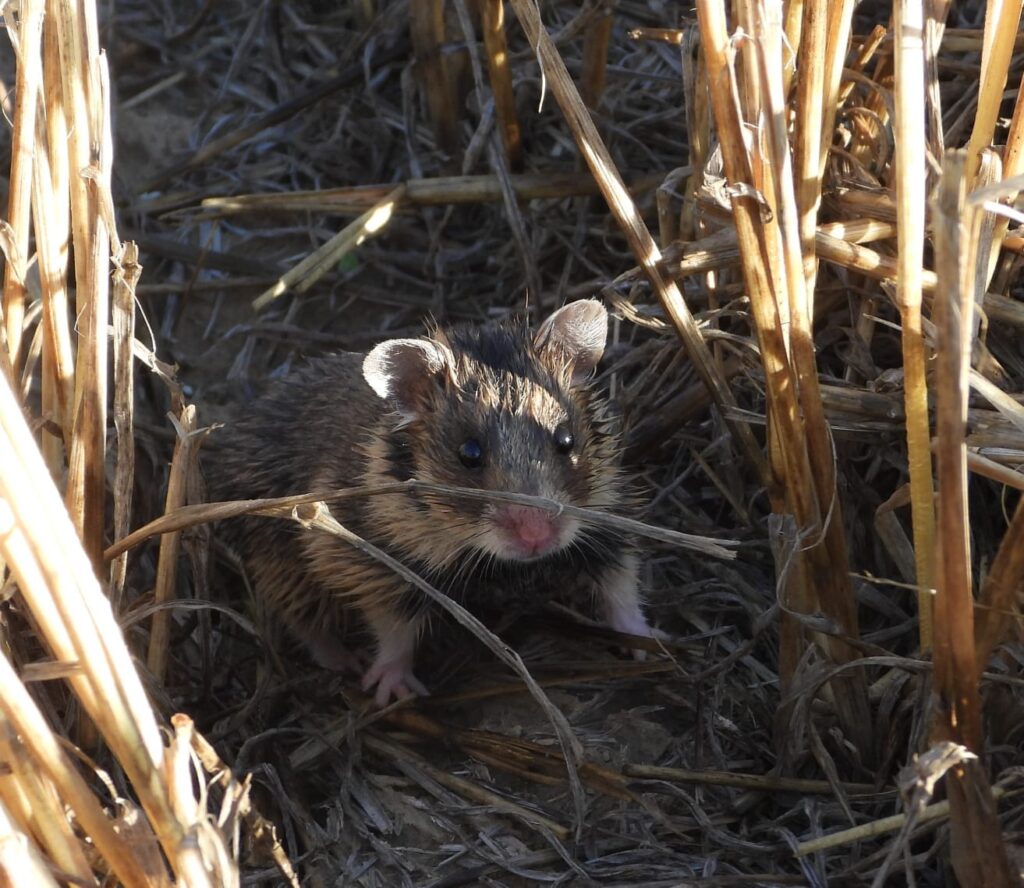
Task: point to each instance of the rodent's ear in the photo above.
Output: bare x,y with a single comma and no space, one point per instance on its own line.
576,334
402,369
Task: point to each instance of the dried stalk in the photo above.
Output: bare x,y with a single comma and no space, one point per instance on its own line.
910,209
182,464
55,578
50,217
33,801
427,28
979,856
20,710
124,401
819,577
595,55
29,80
88,112
1001,26
1013,165
492,14
20,861
189,516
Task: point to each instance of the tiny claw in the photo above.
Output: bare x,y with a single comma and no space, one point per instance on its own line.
633,622
393,679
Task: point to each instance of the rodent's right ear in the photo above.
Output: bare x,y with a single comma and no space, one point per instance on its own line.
402,370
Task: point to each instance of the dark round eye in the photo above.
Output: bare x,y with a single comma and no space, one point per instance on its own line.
564,441
471,454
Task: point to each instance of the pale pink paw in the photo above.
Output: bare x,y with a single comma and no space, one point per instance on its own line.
394,679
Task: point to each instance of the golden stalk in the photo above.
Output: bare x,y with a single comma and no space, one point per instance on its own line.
1013,165
20,861
817,512
978,853
33,801
51,211
840,23
697,128
492,14
910,210
19,202
87,109
50,215
56,580
1001,24
19,709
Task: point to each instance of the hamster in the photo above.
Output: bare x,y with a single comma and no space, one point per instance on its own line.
487,406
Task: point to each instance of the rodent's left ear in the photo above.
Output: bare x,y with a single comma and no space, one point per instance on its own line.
577,334
403,369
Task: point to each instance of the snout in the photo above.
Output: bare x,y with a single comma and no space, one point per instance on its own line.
528,532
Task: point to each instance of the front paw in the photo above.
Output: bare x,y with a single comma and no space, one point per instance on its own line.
635,623
394,679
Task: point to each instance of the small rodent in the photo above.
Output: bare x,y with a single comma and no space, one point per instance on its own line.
483,406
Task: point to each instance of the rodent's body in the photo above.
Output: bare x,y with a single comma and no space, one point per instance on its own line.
487,407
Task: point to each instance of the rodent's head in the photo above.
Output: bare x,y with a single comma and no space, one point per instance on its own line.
494,408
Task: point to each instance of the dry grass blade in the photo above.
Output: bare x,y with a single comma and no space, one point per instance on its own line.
439,190
323,259
978,853
877,827
237,794
189,516
33,801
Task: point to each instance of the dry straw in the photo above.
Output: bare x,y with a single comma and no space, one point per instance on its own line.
57,814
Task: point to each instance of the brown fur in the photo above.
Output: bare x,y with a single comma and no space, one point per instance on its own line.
326,428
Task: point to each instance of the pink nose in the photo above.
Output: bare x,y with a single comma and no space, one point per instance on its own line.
532,530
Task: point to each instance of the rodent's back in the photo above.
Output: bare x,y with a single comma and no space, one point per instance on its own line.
320,412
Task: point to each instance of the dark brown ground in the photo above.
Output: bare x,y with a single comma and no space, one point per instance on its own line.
350,808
